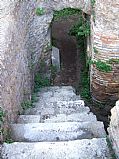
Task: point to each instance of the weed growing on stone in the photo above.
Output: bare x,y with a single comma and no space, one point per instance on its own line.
8,138
85,82
102,66
40,11
40,82
93,9
2,114
95,50
53,69
4,132
93,3
65,13
81,28
113,61
47,48
26,104
34,98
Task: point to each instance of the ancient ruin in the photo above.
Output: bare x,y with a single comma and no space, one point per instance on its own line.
26,36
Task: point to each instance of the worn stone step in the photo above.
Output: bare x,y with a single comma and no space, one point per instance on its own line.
57,89
75,117
60,95
79,149
51,95
46,100
59,107
52,111
51,92
24,119
34,132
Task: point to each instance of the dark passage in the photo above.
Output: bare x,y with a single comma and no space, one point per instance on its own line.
68,50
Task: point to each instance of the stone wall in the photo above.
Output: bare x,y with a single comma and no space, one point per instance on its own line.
15,75
114,128
105,39
51,5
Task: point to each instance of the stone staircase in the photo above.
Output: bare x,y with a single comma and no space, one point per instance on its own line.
58,127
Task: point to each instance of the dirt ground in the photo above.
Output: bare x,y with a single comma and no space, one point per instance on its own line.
68,55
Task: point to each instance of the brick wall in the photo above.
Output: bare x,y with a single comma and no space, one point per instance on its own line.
105,38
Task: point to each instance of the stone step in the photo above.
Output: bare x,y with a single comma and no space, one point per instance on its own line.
62,94
57,89
46,100
50,94
79,149
63,131
59,107
24,119
58,103
52,111
75,117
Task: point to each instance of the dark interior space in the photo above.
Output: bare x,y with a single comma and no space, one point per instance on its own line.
67,46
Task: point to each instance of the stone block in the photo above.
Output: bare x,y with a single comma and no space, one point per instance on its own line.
56,58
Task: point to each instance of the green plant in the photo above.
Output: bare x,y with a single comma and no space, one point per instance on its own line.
3,132
95,50
113,61
7,135
26,104
81,28
85,82
65,13
2,114
47,47
102,66
93,9
40,82
9,141
34,98
40,11
93,14
53,69
93,3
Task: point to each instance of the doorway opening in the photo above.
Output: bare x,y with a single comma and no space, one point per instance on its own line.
66,44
